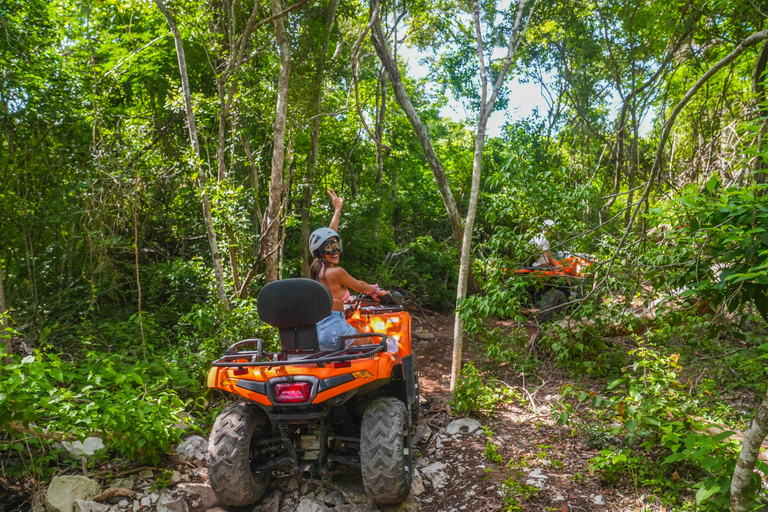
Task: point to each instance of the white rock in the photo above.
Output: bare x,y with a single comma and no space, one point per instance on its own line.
145,501
311,505
417,485
83,448
123,503
194,447
455,426
409,504
177,505
537,479
64,490
90,506
598,500
204,491
126,483
435,474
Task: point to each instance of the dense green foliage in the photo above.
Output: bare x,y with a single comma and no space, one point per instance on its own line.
108,296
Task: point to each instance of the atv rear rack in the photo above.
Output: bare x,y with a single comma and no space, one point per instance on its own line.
233,359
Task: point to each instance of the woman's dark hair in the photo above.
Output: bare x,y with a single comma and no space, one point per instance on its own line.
317,266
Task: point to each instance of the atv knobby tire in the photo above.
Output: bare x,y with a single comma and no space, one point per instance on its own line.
385,451
551,299
230,451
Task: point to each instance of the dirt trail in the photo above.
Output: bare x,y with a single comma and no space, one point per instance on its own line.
541,466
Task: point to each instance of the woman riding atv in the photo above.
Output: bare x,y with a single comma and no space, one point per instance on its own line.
325,246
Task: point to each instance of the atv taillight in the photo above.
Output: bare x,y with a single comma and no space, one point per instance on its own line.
292,392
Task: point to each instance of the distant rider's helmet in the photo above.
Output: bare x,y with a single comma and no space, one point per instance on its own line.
548,224
320,238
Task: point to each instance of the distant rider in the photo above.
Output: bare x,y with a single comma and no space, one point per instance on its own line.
540,241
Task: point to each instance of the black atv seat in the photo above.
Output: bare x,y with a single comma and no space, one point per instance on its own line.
295,306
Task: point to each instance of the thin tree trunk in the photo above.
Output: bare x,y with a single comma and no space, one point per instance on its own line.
381,112
138,279
745,465
760,110
486,107
382,49
218,270
314,148
3,318
270,230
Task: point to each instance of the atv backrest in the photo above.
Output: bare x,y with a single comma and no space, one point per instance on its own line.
295,306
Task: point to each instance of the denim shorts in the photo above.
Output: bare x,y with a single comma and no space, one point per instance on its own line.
330,328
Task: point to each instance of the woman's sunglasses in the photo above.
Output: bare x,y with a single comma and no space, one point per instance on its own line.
332,247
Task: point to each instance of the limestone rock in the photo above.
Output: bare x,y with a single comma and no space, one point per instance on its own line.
204,493
409,504
455,426
334,499
89,506
127,482
417,484
436,475
64,490
167,503
193,448
422,433
537,479
312,505
146,474
271,504
355,508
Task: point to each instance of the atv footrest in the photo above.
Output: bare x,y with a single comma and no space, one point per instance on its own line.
273,463
346,460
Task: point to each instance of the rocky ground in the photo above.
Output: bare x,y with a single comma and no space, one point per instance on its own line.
539,465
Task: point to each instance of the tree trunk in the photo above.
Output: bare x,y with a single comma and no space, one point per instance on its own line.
745,465
3,318
314,148
207,214
381,112
270,230
760,110
382,49
486,107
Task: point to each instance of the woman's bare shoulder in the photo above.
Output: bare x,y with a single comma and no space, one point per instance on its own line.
336,273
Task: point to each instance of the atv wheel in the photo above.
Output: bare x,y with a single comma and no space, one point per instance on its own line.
231,450
385,451
549,300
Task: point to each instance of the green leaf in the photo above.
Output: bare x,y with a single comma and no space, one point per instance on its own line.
704,494
723,436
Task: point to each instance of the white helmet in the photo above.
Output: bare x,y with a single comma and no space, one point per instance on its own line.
319,237
548,223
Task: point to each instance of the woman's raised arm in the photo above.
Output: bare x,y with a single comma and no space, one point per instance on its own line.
338,204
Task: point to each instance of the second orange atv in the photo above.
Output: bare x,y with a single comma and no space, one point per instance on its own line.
550,288
307,409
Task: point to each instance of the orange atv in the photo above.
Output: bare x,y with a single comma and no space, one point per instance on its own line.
551,287
307,409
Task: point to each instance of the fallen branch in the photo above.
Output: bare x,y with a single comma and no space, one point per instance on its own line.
114,492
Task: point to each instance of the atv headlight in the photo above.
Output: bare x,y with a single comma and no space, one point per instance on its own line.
379,324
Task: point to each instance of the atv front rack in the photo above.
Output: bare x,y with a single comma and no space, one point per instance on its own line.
234,359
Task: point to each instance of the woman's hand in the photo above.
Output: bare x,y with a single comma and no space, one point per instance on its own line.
338,202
